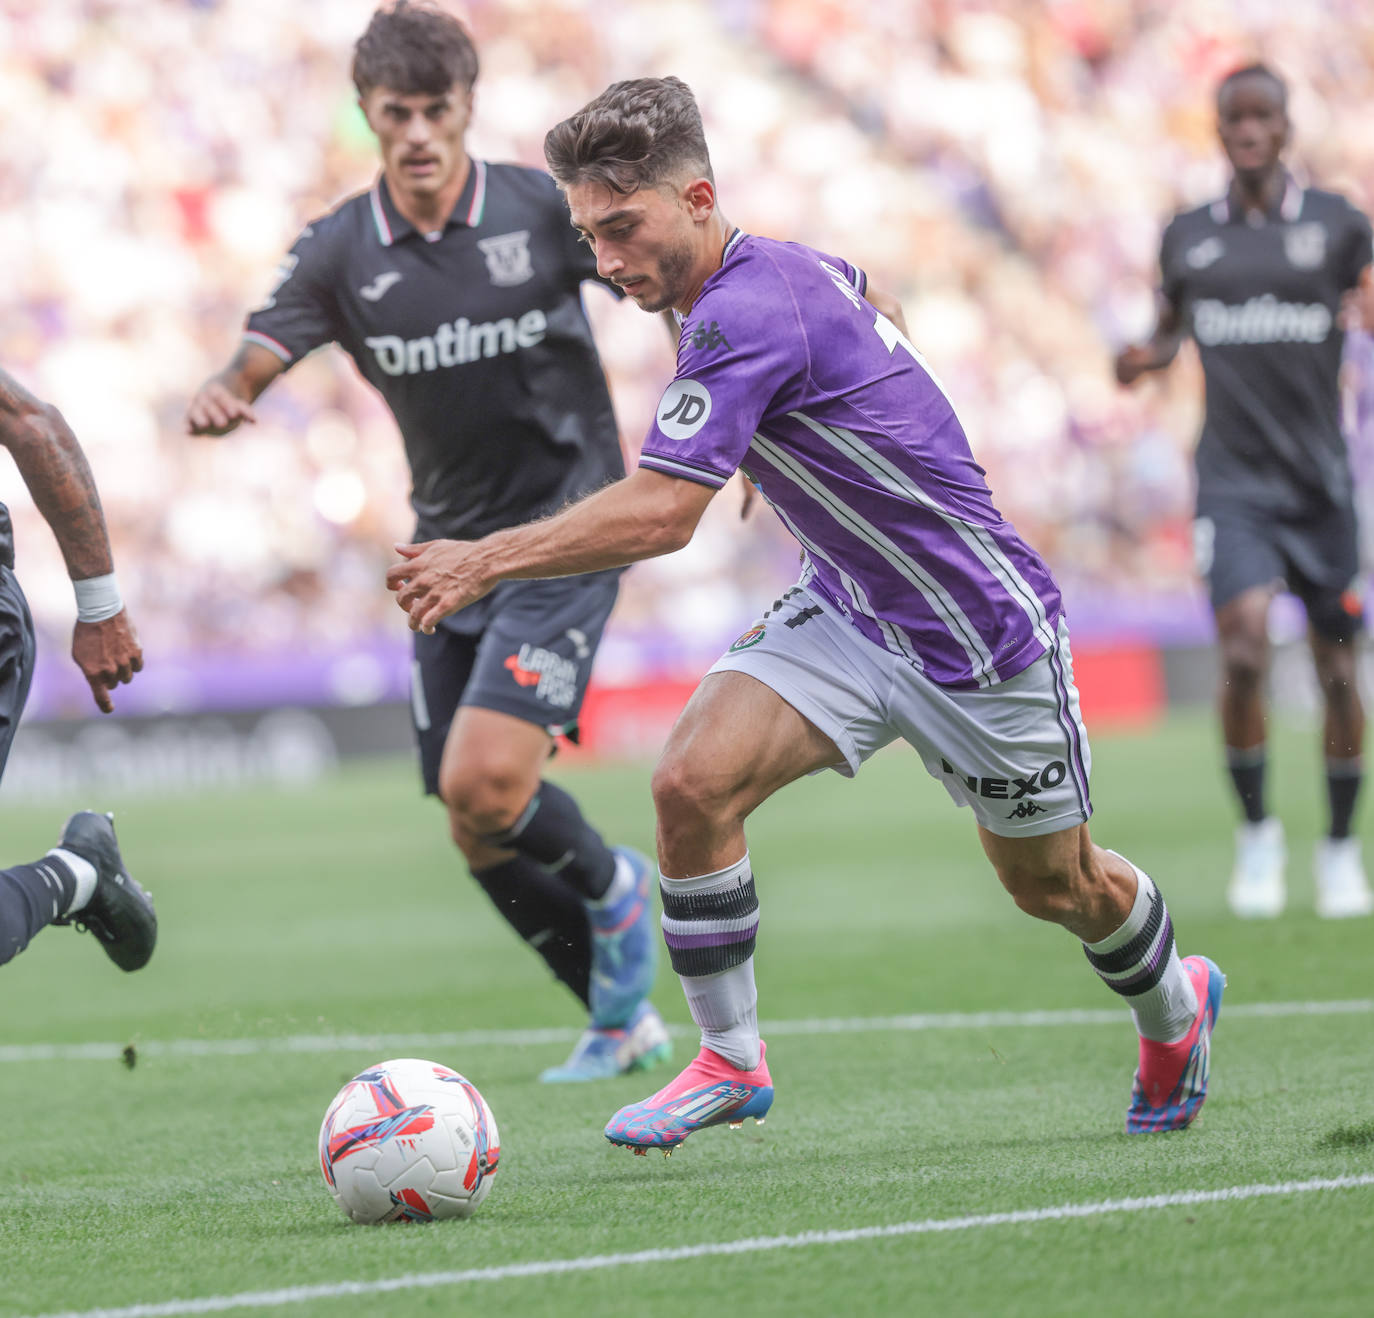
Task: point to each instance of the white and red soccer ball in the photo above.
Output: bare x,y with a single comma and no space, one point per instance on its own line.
408,1140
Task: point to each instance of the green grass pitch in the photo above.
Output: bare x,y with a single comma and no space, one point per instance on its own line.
343,910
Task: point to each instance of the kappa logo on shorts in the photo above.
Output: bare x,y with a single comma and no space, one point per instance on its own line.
1026,809
1015,787
553,677
752,637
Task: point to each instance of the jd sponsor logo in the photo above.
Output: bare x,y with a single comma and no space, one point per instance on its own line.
684,409
1015,787
553,677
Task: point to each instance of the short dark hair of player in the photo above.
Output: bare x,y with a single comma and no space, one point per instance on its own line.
414,49
1255,71
637,134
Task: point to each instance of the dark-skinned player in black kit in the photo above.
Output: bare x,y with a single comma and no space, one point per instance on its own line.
1265,279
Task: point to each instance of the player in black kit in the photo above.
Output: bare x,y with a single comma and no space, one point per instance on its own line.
1263,279
455,286
83,880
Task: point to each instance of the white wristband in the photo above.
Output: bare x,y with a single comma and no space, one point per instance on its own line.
97,598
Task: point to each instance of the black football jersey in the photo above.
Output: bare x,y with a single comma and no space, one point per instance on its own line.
475,336
1261,297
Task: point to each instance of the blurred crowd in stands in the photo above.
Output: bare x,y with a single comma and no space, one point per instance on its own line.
1005,166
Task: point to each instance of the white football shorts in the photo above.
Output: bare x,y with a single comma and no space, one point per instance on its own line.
1016,752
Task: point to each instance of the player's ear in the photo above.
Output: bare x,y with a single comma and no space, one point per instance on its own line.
699,197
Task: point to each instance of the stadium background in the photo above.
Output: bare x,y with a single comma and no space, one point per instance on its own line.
1004,167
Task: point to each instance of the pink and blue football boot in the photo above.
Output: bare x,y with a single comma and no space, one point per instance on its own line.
710,1092
624,949
1171,1081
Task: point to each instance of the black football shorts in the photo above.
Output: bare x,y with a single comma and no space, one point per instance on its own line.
532,659
1316,557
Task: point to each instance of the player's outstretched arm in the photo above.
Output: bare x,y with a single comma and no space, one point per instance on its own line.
227,399
1156,352
643,516
55,469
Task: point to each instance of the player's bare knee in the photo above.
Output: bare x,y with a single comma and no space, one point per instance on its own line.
1243,664
1051,892
687,794
483,799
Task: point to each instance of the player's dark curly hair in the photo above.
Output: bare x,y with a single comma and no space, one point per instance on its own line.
1254,71
634,135
416,49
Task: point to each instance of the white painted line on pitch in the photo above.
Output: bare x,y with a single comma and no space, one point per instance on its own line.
397,1045
752,1245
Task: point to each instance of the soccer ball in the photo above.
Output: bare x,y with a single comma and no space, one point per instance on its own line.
408,1140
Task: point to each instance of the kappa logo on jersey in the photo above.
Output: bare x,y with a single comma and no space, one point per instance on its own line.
553,677
1015,787
1305,245
1260,320
376,290
704,336
1205,253
684,408
456,343
508,258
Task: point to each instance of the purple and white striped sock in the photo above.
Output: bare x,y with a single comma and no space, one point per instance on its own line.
709,924
1139,961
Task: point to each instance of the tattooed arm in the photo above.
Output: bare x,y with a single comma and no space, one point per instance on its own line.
58,476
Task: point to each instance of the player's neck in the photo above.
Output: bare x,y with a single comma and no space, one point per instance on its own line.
1259,193
715,240
429,211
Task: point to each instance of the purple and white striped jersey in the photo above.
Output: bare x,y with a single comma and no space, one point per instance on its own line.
786,372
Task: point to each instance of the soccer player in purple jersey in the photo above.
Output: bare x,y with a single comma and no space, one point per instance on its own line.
920,613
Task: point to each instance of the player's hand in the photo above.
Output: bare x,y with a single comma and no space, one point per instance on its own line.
436,578
1132,363
107,653
216,410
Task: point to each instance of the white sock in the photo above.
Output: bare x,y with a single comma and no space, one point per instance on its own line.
723,1003
84,874
1165,1011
